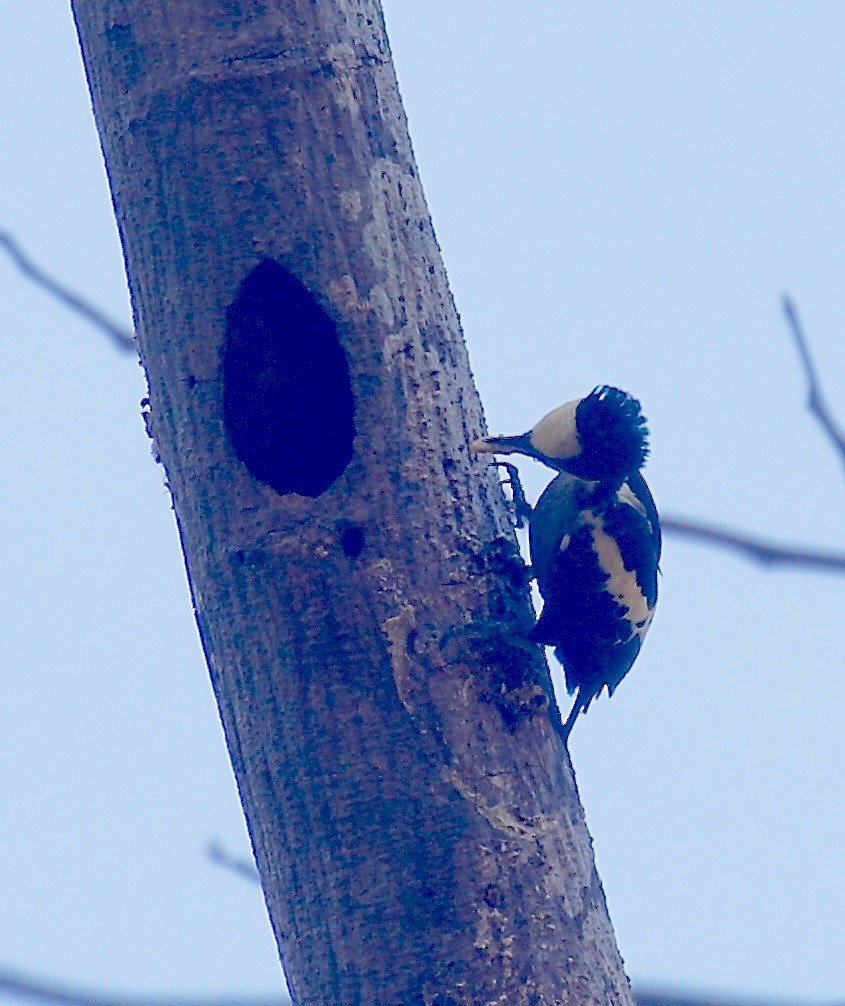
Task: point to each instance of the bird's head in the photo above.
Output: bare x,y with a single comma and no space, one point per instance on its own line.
602,437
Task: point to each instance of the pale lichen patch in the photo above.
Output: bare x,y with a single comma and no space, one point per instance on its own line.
490,932
502,817
342,60
345,297
382,306
350,204
398,629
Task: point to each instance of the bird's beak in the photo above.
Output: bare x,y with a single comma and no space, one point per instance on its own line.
502,445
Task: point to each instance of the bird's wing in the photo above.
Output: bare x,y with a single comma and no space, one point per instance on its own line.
554,517
639,487
596,564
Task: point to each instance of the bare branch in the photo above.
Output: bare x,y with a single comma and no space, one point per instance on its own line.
244,869
17,986
22,987
815,399
766,552
120,337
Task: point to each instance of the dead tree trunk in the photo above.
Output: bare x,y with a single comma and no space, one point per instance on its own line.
354,576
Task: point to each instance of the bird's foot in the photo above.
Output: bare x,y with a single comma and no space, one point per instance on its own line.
521,507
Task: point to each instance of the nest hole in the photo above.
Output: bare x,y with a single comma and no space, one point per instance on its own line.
287,399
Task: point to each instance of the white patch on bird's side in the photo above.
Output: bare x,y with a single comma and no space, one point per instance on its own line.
622,583
555,435
564,542
626,495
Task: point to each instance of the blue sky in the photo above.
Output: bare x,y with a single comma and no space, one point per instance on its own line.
622,191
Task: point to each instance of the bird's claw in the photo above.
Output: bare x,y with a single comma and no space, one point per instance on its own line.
521,507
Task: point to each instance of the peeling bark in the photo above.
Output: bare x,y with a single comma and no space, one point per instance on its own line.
413,813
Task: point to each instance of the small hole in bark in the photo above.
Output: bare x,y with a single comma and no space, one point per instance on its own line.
191,382
492,896
352,541
287,399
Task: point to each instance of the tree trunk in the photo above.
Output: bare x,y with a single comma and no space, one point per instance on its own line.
355,579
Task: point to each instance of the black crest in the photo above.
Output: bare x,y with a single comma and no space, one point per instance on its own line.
613,436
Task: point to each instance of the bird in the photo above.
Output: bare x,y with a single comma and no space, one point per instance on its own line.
594,538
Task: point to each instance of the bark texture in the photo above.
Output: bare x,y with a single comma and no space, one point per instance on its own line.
413,813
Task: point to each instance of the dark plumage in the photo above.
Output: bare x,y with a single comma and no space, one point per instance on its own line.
594,537
613,436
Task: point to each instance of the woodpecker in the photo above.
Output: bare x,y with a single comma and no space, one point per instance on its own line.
594,537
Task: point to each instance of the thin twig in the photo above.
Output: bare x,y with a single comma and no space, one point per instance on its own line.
766,552
122,339
815,399
15,984
241,867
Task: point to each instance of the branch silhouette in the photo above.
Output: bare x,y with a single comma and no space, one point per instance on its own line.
240,867
758,549
816,402
15,985
765,552
121,339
